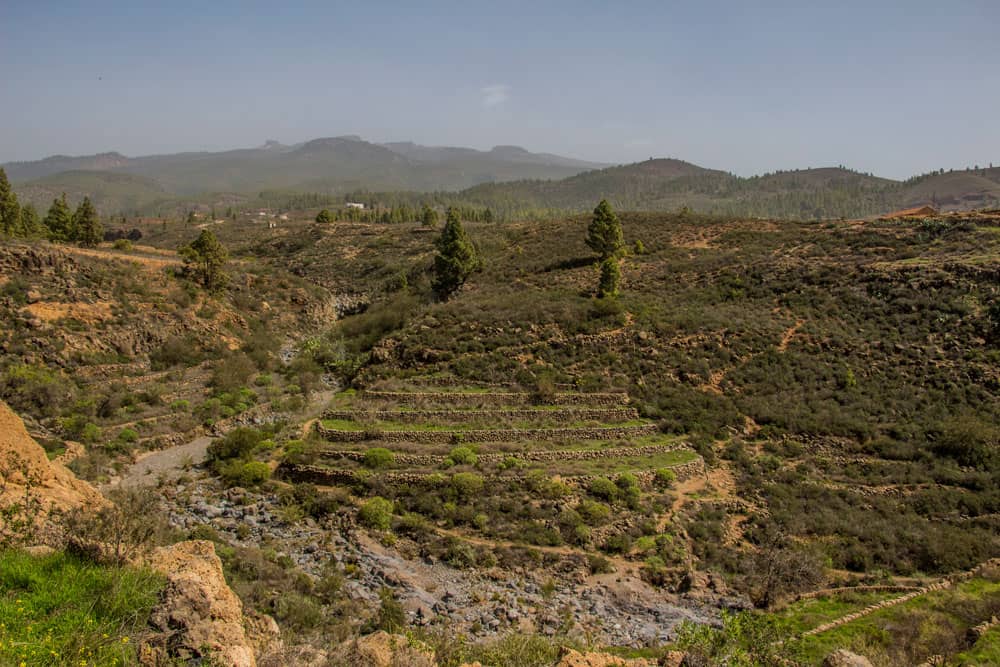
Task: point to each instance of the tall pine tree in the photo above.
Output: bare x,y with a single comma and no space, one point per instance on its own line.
86,225
59,221
31,224
456,259
604,235
10,211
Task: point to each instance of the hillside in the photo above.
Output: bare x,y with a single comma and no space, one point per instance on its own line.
769,409
109,190
663,185
513,182
325,165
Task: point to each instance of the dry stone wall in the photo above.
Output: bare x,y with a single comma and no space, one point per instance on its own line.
493,458
460,416
947,582
499,398
490,435
323,475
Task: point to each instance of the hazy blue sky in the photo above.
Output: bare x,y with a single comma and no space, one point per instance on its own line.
893,87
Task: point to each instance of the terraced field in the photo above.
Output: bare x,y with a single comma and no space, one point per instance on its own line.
500,434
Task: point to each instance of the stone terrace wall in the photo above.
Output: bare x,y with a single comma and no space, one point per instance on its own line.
498,398
490,435
413,416
493,458
332,476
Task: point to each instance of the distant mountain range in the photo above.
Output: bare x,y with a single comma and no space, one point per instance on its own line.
509,179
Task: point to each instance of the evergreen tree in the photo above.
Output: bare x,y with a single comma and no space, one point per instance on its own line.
10,211
59,221
457,257
604,235
86,225
31,224
611,275
204,259
429,218
324,216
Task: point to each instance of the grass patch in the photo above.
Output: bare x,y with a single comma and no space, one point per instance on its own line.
60,610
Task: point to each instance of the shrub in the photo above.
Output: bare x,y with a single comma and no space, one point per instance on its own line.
598,564
593,513
233,372
117,532
665,478
603,488
378,457
467,484
128,435
376,513
244,473
463,456
238,443
122,244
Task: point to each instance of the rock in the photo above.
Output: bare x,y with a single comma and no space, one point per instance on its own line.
572,658
844,658
26,470
672,659
383,650
199,615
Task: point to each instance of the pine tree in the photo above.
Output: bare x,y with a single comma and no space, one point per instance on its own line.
457,257
10,211
429,218
204,259
59,221
31,224
604,235
611,275
86,225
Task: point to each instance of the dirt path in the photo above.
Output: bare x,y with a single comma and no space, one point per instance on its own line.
173,460
148,469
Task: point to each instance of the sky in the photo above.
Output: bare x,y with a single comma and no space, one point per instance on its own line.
891,87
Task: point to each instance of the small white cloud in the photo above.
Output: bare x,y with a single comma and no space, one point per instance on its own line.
495,94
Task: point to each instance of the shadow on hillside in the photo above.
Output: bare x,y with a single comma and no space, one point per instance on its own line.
575,263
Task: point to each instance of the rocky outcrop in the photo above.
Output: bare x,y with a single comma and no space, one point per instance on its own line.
25,471
844,658
199,617
383,650
573,658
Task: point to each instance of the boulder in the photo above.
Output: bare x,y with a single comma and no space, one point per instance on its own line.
844,658
27,475
383,650
573,658
199,617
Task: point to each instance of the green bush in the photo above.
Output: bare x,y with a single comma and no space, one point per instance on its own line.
376,513
665,477
378,457
466,484
603,488
122,244
128,435
244,473
237,444
463,456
